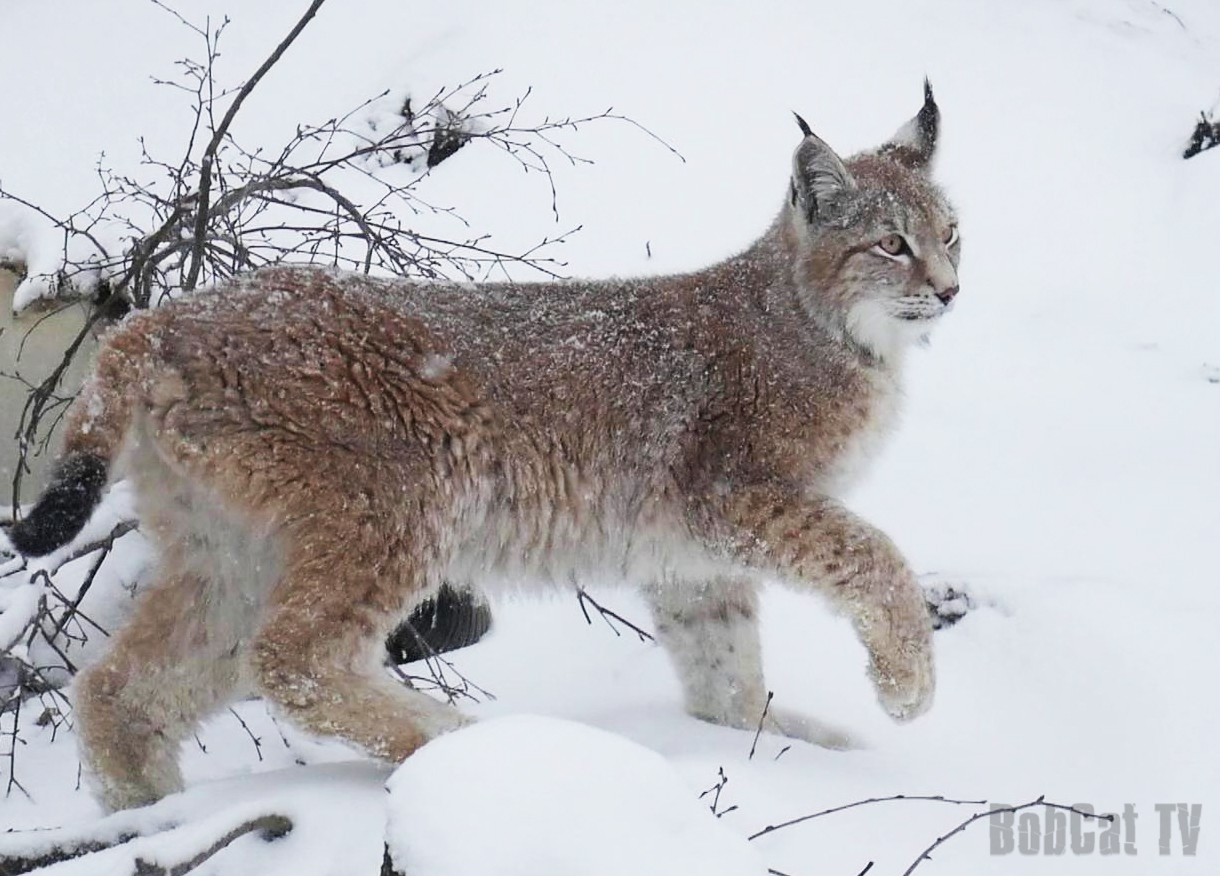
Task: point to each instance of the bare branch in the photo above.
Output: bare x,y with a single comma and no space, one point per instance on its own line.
56,850
715,790
13,740
439,669
174,225
65,225
271,826
771,828
926,854
258,743
106,542
28,862
761,718
582,596
37,402
218,135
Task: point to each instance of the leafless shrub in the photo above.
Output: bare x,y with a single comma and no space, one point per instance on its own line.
926,854
44,625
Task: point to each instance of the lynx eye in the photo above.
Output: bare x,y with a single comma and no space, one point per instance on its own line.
894,245
951,236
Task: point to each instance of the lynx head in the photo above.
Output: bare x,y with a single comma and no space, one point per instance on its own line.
876,243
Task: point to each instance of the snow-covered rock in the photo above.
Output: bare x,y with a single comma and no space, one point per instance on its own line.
533,796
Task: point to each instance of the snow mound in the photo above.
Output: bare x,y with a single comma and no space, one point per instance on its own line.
530,795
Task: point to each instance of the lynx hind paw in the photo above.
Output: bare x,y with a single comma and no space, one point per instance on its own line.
444,719
796,725
947,601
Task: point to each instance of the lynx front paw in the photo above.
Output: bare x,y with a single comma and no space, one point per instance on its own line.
905,680
901,664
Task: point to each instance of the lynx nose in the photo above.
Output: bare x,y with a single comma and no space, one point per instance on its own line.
947,295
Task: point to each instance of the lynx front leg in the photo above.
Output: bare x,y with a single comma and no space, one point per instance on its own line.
710,630
816,544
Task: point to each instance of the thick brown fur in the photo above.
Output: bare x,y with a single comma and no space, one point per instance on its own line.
314,452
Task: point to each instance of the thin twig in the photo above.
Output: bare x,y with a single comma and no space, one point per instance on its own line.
37,401
582,596
771,828
209,154
926,854
437,666
65,225
715,790
13,739
761,718
105,546
258,743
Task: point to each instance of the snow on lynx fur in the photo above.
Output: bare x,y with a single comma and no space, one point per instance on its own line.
314,452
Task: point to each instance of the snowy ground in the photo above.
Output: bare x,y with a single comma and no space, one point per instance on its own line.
1059,452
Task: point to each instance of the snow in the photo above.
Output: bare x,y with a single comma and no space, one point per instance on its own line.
552,796
18,605
1057,456
327,806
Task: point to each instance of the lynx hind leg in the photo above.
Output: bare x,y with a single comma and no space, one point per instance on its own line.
164,674
179,659
320,656
710,630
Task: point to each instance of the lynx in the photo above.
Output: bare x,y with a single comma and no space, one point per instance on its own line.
315,452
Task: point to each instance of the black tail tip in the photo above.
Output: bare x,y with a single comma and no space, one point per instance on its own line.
64,509
455,618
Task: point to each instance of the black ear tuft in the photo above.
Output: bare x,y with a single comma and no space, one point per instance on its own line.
914,144
928,118
803,124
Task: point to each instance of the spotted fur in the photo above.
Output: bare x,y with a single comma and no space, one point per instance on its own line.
315,452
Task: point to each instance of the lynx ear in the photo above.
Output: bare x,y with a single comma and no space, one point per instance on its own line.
914,144
817,173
